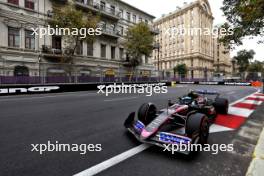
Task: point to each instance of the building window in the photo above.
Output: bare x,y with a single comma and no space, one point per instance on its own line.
21,71
112,28
16,2
90,49
146,21
112,9
121,32
29,39
102,5
79,48
103,50
121,53
113,52
140,19
56,42
29,4
134,18
13,37
121,13
128,16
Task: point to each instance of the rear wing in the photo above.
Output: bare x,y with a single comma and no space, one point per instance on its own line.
207,92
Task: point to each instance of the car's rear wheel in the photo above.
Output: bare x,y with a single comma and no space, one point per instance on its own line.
197,125
221,105
147,113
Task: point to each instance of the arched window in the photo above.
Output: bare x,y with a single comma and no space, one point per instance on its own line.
21,71
205,7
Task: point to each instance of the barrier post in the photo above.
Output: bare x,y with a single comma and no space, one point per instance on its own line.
263,85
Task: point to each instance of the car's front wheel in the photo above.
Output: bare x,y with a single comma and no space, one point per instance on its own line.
197,125
221,105
147,113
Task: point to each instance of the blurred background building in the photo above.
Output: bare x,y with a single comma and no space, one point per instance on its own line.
203,55
24,55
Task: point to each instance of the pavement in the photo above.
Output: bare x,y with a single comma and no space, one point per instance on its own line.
90,118
256,167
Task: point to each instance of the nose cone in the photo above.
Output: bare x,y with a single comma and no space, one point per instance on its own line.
145,134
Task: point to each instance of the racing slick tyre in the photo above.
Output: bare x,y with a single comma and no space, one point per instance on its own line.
197,125
147,113
221,105
130,119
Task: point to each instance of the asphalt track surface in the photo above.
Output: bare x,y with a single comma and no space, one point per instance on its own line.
90,118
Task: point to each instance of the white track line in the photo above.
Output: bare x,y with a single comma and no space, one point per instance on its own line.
241,99
55,95
256,96
214,128
129,153
120,99
240,111
113,161
254,102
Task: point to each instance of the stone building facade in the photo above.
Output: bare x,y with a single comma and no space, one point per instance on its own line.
27,55
186,37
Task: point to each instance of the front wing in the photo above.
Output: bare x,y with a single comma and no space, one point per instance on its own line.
161,139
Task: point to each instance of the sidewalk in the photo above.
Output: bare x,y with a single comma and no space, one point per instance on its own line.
256,167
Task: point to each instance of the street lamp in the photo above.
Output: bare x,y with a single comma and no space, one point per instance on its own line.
157,46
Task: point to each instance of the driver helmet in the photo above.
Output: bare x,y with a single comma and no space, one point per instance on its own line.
193,94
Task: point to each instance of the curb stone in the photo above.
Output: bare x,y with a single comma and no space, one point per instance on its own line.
256,167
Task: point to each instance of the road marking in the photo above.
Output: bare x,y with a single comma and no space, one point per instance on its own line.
113,161
255,99
229,93
252,102
255,96
240,111
21,97
214,128
245,106
180,86
241,99
229,121
120,99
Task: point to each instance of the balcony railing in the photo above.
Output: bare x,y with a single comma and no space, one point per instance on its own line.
99,8
111,32
49,50
154,30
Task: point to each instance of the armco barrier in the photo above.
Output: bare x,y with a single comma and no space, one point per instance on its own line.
59,88
215,83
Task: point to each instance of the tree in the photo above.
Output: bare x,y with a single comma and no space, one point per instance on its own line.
254,69
246,19
243,58
138,42
256,66
181,69
73,22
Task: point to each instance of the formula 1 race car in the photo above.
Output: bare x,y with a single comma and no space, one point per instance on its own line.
185,122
